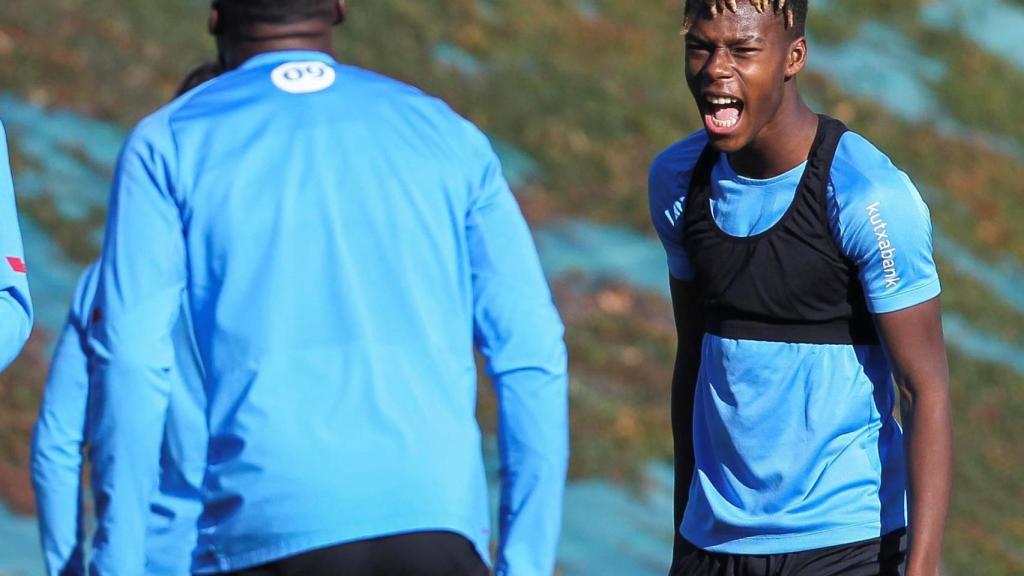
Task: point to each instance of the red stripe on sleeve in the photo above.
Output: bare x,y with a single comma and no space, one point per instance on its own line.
17,264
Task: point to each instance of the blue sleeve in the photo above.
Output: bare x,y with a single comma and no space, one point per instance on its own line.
141,282
15,304
174,520
667,186
520,333
881,224
57,442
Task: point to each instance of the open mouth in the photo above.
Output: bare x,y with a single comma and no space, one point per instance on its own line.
722,113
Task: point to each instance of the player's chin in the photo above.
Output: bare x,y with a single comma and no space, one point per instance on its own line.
729,138
728,143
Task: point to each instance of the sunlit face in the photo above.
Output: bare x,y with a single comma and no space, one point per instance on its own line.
737,65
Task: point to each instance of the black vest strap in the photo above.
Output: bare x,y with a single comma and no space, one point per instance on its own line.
790,283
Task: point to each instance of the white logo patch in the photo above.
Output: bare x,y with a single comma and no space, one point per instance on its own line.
886,249
676,211
303,77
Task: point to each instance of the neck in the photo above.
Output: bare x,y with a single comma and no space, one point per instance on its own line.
783,144
239,46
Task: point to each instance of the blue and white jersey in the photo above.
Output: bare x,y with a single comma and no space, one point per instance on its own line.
343,241
15,304
62,431
796,445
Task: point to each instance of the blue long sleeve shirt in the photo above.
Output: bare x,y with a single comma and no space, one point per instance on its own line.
15,304
61,433
344,241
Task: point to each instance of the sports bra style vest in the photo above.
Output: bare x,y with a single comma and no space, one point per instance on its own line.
790,283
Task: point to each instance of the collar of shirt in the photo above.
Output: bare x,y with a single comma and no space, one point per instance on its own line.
286,56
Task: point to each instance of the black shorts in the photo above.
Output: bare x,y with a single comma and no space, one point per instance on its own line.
885,556
413,554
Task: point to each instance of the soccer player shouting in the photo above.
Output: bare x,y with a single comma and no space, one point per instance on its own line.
803,281
343,240
15,304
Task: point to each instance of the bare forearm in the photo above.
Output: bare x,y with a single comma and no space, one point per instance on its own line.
683,385
929,446
689,329
915,345
684,382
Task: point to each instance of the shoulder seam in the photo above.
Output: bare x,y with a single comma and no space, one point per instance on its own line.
177,196
175,107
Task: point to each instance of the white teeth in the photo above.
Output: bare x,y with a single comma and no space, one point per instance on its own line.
725,123
721,101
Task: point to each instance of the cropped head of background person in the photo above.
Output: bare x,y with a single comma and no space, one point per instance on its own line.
344,241
803,282
199,76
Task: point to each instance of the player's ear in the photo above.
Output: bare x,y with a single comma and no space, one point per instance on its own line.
797,57
214,24
340,12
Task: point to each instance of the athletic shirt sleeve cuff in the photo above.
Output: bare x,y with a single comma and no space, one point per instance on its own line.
679,268
905,299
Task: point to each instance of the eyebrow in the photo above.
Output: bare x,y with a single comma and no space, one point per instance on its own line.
747,39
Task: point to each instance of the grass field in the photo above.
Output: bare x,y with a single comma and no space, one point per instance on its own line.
591,91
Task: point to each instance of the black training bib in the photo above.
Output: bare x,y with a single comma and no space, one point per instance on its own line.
790,283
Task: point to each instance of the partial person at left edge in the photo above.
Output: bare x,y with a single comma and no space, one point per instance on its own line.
15,304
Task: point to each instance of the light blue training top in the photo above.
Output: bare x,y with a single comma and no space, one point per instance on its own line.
61,432
796,446
344,241
15,303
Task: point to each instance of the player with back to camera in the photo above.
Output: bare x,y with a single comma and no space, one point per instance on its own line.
61,433
342,241
803,281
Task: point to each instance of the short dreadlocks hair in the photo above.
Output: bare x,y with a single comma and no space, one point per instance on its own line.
794,11
275,11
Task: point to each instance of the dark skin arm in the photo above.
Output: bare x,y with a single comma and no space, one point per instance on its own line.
690,332
914,342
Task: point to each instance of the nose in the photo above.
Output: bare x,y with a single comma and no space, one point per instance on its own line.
719,65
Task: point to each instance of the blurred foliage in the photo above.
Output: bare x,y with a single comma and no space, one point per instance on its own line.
986,525
970,298
621,351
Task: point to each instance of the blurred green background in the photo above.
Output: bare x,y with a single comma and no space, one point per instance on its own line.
579,96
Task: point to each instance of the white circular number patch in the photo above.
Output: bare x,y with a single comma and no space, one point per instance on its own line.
303,77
